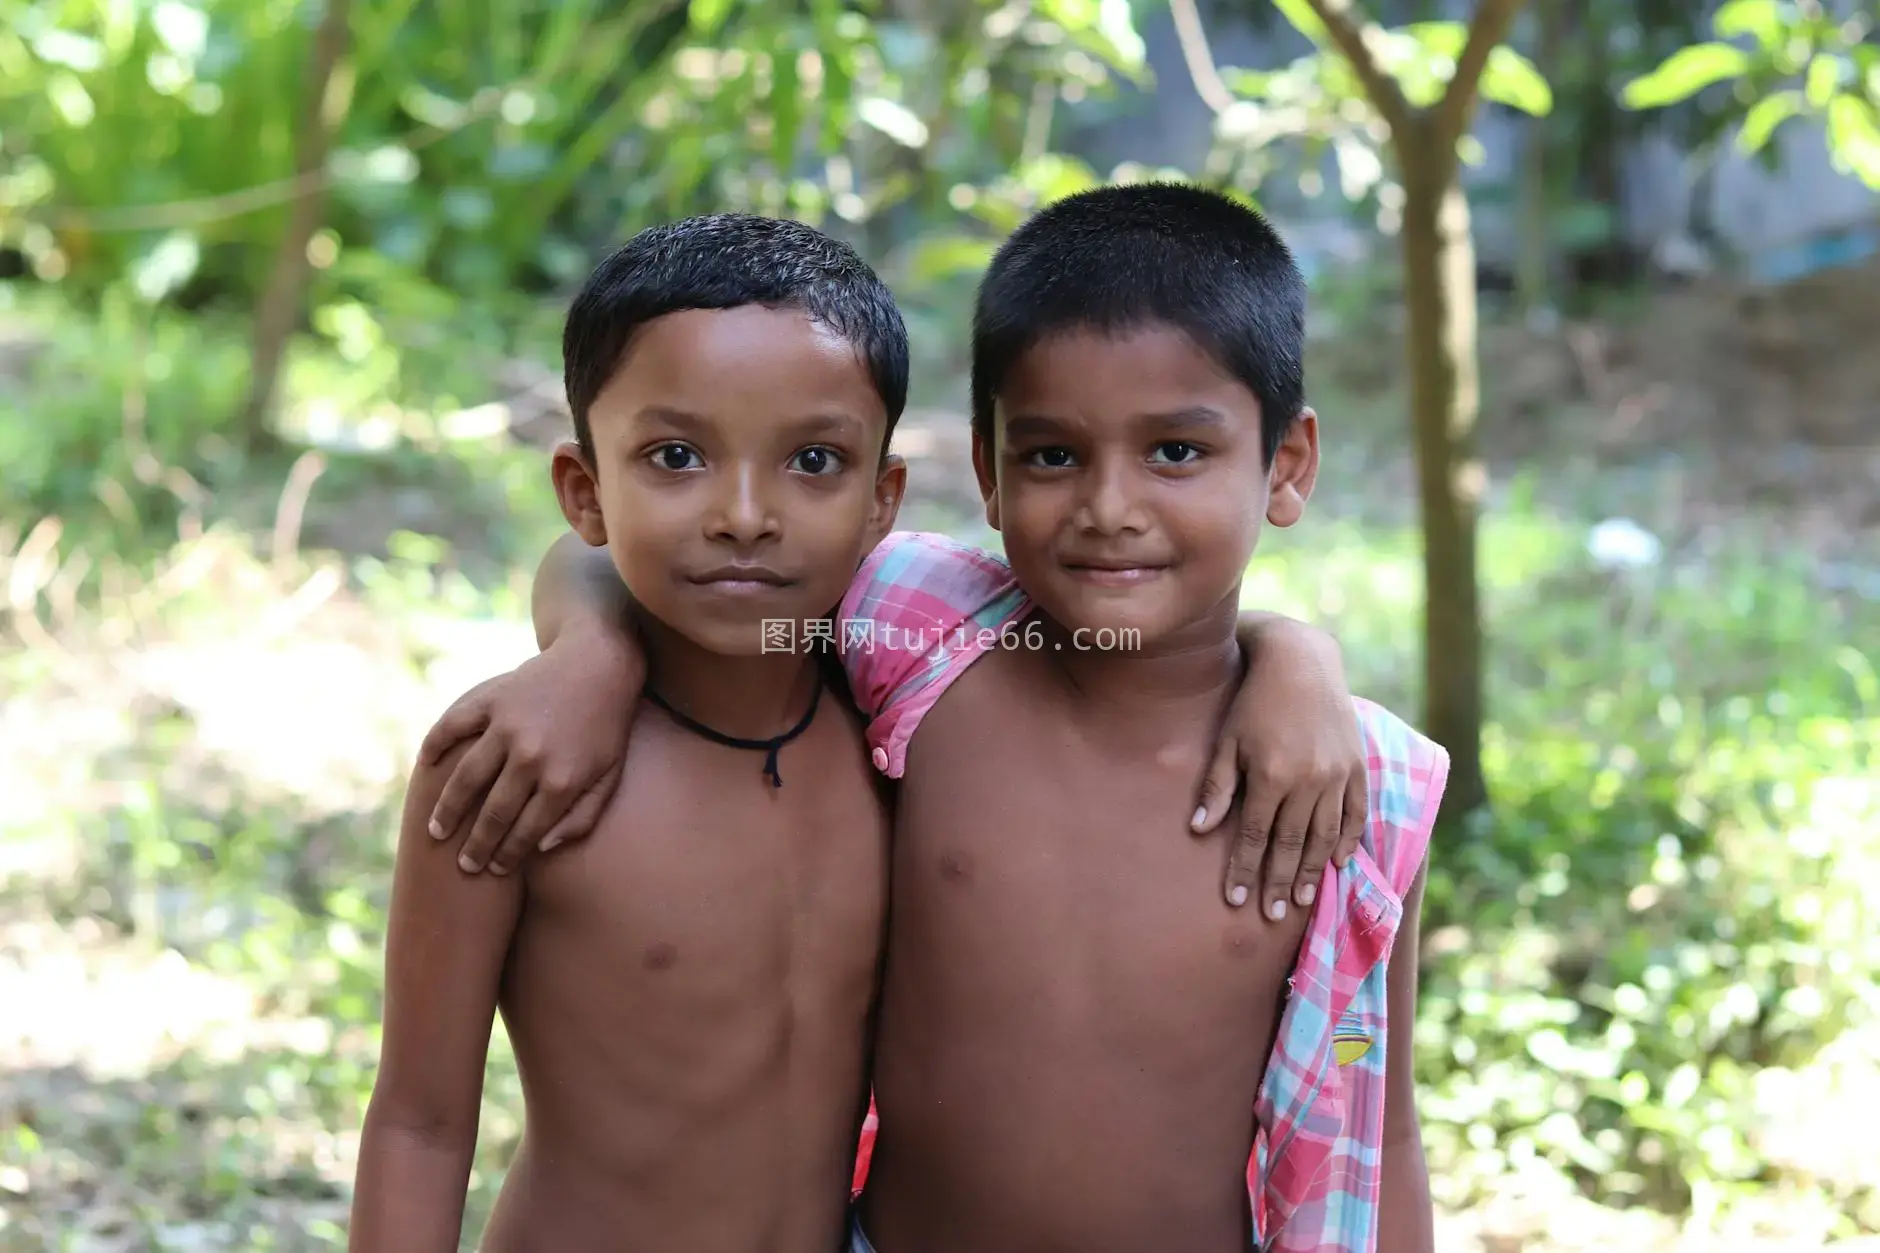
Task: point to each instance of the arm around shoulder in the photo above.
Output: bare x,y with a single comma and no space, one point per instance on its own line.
446,943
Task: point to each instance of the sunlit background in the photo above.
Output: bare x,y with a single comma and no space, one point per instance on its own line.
280,285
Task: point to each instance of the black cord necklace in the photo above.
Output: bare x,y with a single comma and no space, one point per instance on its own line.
769,747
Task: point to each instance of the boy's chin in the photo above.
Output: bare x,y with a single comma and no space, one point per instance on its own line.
776,627
1126,623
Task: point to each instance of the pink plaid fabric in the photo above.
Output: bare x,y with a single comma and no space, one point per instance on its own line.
1318,1152
922,609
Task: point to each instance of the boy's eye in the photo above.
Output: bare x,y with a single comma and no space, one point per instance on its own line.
1050,458
816,461
676,457
1174,453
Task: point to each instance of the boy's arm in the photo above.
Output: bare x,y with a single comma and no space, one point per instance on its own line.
551,735
445,947
1294,738
1406,1223
553,732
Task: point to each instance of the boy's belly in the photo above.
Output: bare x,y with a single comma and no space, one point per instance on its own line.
1074,1024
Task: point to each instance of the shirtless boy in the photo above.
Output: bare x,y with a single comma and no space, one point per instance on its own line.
689,994
1073,1052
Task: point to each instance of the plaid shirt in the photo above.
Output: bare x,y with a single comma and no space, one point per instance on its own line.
922,609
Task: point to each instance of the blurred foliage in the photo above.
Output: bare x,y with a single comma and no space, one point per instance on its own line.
1791,58
491,148
1662,917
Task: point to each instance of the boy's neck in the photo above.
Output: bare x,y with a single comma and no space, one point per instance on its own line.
1199,660
752,698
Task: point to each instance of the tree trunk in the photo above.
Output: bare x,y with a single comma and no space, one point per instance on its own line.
278,312
1534,281
1439,290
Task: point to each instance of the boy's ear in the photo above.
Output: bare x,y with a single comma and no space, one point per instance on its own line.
579,491
1295,469
985,461
890,487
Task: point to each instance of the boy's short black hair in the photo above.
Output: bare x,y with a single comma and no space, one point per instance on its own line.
726,261
1118,258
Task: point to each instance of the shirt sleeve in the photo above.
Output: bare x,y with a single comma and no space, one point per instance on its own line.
921,610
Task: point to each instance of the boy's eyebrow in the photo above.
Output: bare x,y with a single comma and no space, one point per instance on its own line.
1194,415
827,424
1037,426
672,417
807,424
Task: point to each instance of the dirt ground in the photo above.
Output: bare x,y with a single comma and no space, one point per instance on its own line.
1769,396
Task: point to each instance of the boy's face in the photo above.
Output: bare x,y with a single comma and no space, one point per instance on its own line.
738,472
1127,479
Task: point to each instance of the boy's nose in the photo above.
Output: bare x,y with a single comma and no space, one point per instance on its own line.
1108,506
744,515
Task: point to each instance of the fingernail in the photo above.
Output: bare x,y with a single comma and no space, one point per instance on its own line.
1276,911
499,871
464,863
437,829
1201,816
1237,896
1308,892
551,842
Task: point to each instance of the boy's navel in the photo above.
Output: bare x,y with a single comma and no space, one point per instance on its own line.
660,956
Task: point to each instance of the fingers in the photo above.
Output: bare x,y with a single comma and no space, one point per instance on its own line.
542,811
1284,850
579,822
1243,864
1321,843
468,781
468,715
1217,790
505,803
1356,817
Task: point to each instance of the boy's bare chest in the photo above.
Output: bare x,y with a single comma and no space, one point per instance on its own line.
1049,863
701,867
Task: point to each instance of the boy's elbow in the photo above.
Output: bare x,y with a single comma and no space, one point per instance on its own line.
397,1122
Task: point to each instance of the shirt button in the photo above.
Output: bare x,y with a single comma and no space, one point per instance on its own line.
880,758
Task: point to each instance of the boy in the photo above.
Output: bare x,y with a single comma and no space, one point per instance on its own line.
1072,1053
688,996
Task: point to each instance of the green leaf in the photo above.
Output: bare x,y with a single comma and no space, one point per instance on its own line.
707,16
1054,176
1764,116
1441,39
1116,24
1304,20
1761,20
786,111
941,257
1685,73
1824,75
1511,79
1854,137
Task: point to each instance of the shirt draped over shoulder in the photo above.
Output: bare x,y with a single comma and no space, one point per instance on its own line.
1318,1152
921,610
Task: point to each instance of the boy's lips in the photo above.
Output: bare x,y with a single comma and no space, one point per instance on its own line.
742,580
1113,573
